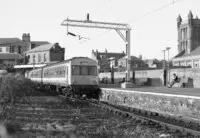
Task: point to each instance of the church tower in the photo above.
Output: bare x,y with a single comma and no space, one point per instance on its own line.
188,33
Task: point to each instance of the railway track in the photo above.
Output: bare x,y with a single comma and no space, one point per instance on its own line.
187,127
53,116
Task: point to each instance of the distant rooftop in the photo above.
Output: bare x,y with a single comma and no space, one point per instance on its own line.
40,42
10,56
45,47
195,52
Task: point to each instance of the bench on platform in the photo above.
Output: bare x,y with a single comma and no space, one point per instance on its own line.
142,81
183,82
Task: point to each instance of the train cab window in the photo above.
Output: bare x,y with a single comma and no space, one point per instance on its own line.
75,70
92,70
84,70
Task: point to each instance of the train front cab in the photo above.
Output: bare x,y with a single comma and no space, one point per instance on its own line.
84,78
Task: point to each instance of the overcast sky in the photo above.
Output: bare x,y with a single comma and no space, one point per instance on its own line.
150,34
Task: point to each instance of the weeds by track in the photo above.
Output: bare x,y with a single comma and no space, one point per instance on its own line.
186,127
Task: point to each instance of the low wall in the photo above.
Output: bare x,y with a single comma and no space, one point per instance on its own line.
186,106
156,76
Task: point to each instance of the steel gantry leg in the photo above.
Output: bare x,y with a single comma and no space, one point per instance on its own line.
128,59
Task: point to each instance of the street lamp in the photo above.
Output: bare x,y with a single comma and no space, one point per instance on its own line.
164,59
164,69
168,48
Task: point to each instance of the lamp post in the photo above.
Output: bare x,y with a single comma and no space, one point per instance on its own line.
164,69
168,48
164,65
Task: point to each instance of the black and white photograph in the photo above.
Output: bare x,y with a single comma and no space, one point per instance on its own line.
100,69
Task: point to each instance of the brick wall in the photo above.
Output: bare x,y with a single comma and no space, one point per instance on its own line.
156,76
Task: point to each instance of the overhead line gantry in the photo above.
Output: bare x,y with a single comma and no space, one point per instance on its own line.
118,27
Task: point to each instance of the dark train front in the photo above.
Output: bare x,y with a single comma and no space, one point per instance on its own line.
76,77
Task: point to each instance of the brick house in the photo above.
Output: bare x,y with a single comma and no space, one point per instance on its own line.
11,51
13,45
45,54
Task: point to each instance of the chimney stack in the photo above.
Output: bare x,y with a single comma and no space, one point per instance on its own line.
26,37
88,16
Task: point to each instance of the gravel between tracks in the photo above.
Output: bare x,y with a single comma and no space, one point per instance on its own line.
48,116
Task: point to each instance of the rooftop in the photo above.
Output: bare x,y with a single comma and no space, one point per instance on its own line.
45,47
10,56
195,52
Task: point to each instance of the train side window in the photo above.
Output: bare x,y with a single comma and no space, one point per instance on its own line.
84,70
92,70
75,70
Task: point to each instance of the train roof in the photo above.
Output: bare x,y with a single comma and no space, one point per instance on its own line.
65,61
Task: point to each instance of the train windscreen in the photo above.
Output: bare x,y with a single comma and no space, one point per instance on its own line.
84,70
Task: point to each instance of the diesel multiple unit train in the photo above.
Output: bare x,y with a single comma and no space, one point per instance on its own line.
77,76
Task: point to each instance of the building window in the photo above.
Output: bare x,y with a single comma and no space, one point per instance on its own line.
196,65
45,57
184,32
12,49
39,57
7,49
19,50
33,58
0,49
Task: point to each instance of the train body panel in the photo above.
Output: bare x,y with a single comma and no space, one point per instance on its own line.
55,81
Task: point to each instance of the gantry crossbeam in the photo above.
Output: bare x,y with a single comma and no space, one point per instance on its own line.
95,24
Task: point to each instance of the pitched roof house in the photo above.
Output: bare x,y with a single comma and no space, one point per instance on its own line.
11,51
45,54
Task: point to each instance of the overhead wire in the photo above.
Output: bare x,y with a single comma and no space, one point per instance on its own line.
138,18
155,10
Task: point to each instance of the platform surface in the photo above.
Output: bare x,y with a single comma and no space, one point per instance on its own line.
166,90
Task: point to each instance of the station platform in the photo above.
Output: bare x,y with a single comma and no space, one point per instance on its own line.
179,102
194,92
